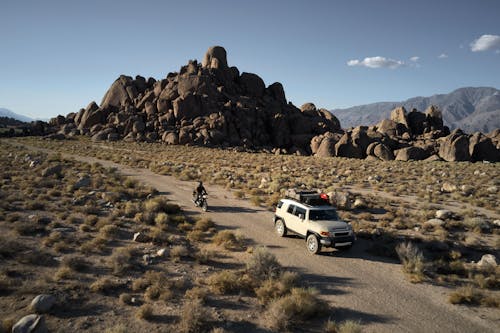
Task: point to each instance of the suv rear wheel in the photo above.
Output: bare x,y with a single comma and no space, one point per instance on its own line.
280,227
313,244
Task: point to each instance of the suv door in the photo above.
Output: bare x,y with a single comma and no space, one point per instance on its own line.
295,219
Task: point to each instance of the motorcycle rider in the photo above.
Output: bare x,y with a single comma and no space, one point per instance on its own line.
199,191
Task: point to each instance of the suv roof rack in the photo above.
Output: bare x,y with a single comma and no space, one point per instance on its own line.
308,197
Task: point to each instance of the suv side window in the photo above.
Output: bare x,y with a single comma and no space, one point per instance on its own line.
300,211
290,209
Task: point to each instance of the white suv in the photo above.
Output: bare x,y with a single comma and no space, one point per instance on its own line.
309,215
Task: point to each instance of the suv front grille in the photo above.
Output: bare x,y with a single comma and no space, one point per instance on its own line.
338,234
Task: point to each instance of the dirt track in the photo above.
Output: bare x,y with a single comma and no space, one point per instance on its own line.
358,286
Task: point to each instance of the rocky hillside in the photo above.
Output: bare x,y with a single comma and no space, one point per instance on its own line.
471,109
208,104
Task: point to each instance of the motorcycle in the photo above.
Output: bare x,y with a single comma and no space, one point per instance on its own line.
201,201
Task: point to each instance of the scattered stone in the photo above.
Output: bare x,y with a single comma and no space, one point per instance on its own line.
467,190
342,200
359,203
83,181
43,303
492,189
434,223
487,260
162,252
448,187
53,170
140,237
496,223
443,214
30,324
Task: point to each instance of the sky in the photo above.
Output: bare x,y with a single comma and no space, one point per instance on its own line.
58,56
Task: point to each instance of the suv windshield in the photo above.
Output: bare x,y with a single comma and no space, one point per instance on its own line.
324,214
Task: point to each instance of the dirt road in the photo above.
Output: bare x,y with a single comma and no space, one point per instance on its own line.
358,286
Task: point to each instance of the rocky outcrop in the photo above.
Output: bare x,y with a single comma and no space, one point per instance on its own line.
455,147
203,104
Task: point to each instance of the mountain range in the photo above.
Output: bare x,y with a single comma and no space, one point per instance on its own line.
471,109
9,114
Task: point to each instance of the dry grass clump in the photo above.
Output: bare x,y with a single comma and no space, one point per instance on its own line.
179,251
228,239
225,282
204,224
149,278
197,293
75,263
263,265
291,310
126,299
121,259
120,328
109,231
194,316
413,261
275,288
145,312
6,325
105,285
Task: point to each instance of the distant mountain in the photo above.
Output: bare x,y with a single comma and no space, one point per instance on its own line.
471,109
9,114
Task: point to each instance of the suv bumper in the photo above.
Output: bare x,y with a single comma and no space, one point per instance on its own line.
337,241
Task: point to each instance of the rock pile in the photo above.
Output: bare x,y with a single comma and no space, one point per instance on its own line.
213,104
203,104
409,136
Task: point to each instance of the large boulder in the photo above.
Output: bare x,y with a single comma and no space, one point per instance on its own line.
381,151
327,146
481,148
215,57
455,147
120,93
253,84
42,303
411,153
187,107
398,115
416,122
30,324
345,147
434,118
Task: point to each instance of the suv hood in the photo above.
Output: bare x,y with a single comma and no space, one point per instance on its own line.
332,225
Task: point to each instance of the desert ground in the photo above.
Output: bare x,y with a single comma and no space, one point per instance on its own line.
70,210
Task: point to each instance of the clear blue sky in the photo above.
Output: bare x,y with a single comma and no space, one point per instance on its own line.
57,56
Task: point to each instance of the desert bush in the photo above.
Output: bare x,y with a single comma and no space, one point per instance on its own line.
350,326
195,236
228,239
6,325
120,260
109,231
465,295
105,285
75,263
224,282
412,259
145,312
289,311
272,289
149,278
126,299
120,328
203,256
204,224
196,293
263,265
178,251
194,316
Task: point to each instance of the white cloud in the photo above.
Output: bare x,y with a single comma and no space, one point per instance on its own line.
376,62
414,59
442,56
485,43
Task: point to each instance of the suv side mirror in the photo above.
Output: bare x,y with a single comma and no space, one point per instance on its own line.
301,216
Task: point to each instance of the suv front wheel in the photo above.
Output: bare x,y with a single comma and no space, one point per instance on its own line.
280,227
313,244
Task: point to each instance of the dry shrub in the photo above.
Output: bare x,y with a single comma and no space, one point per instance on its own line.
75,263
204,224
64,273
224,282
121,260
350,326
178,251
465,295
196,293
272,289
291,310
263,265
194,316
149,278
145,312
126,298
228,239
204,256
109,231
6,325
105,285
195,236
120,328
412,259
